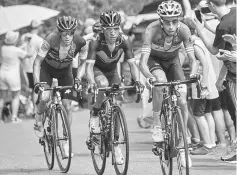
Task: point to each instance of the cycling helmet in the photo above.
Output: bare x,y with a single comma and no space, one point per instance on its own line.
66,23
110,18
96,27
169,9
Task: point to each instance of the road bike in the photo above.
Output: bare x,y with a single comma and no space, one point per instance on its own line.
113,130
57,131
172,127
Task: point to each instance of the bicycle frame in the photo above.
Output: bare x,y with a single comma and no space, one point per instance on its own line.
107,117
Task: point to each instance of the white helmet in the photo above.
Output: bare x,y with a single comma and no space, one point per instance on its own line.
169,9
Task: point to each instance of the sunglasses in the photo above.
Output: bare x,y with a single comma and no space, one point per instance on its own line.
110,29
67,33
176,21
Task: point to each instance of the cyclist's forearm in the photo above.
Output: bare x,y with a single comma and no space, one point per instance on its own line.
90,73
81,70
134,70
193,63
119,69
143,65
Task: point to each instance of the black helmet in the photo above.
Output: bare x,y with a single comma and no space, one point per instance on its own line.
110,18
96,27
66,23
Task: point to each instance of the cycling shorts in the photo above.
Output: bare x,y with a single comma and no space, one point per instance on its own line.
64,77
202,106
171,67
111,76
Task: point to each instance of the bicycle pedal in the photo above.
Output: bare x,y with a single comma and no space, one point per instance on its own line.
157,151
89,145
48,129
41,142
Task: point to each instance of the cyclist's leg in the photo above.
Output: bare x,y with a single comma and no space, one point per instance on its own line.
101,81
65,78
158,72
45,76
176,73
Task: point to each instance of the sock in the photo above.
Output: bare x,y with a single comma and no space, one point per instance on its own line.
208,145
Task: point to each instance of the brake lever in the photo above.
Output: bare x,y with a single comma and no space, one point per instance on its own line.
150,94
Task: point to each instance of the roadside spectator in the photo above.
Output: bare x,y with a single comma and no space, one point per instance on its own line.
227,25
31,42
10,73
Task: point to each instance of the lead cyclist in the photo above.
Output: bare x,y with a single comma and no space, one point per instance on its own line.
54,60
160,62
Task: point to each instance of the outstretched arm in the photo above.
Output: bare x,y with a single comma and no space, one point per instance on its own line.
129,56
146,49
91,61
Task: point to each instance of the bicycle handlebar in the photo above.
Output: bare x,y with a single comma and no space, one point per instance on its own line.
55,88
116,88
175,83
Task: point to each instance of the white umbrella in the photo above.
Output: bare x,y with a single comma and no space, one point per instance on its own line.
19,16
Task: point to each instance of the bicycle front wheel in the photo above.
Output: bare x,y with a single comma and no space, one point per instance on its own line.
182,153
120,141
48,142
166,159
63,140
98,153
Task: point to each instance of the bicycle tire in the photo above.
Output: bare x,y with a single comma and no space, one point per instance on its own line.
63,115
123,125
179,127
100,169
49,142
166,160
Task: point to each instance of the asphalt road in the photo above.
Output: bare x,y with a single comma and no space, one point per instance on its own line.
20,152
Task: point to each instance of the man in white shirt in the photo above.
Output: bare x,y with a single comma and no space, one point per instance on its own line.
10,73
31,42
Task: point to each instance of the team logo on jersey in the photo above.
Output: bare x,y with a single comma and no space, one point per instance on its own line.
106,59
72,49
45,46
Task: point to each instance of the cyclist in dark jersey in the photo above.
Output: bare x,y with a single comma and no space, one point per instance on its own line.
54,60
103,56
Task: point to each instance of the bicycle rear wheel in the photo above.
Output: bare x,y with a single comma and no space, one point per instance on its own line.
166,160
120,138
63,141
48,142
178,128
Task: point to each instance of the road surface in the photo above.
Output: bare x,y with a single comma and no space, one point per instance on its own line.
21,154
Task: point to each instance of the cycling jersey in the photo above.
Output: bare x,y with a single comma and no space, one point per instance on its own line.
106,60
158,44
51,50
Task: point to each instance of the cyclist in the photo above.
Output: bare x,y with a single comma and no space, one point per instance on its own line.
103,56
54,60
160,61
